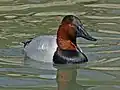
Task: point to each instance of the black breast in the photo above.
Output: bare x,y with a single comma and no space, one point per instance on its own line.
69,56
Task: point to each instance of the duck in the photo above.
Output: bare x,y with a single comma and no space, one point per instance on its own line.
67,51
61,48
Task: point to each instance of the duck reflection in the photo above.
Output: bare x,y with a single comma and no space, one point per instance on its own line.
66,79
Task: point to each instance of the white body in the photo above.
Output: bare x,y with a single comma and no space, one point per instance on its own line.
41,48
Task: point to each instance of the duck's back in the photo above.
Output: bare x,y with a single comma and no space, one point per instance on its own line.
41,48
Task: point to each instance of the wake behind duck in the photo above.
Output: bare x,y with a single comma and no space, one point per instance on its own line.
60,49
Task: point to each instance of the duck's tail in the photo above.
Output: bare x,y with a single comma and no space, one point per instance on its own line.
27,42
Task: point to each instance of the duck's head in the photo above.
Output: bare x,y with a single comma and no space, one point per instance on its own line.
80,30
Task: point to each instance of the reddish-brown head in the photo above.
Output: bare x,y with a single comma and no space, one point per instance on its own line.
71,28
78,27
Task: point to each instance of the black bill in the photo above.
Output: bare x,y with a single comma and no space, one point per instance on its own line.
81,32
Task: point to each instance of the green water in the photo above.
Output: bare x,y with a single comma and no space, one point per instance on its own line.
23,19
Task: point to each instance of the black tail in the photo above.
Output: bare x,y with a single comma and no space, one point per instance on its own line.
27,42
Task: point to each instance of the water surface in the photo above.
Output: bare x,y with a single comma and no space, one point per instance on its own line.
24,19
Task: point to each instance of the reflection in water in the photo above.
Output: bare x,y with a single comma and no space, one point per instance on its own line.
66,79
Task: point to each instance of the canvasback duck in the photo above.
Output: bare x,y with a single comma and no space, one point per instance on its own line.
60,49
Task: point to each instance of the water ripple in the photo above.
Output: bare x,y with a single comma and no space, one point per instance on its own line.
116,6
55,3
103,17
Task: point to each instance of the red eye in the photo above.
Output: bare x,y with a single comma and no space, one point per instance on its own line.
72,26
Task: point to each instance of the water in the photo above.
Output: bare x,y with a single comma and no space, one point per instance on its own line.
23,19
